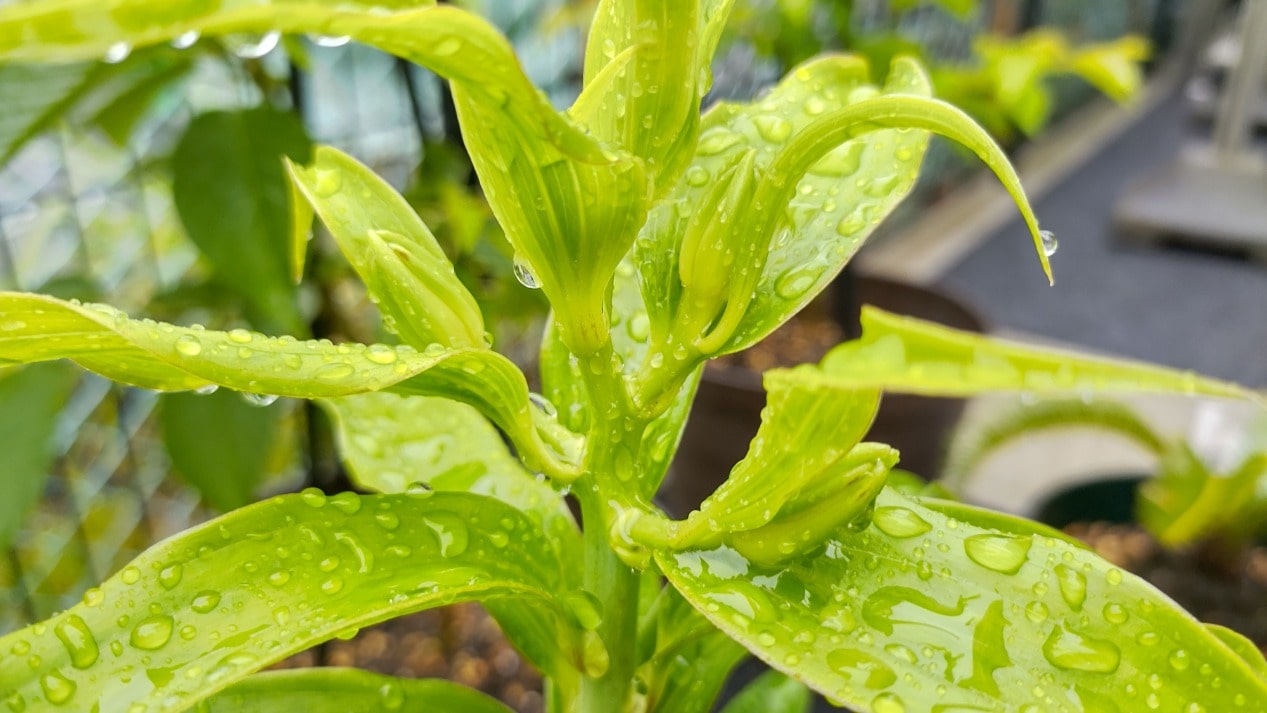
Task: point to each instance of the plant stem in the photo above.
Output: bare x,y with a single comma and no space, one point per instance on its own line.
616,586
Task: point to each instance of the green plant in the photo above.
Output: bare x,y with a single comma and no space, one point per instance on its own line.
1186,502
1004,85
661,239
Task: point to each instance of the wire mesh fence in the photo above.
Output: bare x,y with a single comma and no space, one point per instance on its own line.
79,214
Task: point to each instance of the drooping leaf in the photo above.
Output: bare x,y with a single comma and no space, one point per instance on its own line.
229,188
220,444
772,692
966,617
340,690
169,358
907,355
1186,502
404,269
31,400
36,97
267,581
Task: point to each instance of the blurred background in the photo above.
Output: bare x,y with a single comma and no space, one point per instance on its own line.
151,180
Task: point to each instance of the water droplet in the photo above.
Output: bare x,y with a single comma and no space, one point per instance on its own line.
381,354
313,497
1072,651
205,601
330,40
152,632
716,140
240,336
392,696
388,521
188,345
253,47
16,703
332,585
170,576
1180,660
57,688
1000,553
697,176
1115,613
543,404
335,372
815,105
207,390
1036,612
639,327
887,703
1050,244
844,160
451,532
524,274
185,40
1113,577
346,502
1073,586
78,640
774,129
117,52
793,284
130,575
261,400
900,522
279,578
852,663
448,46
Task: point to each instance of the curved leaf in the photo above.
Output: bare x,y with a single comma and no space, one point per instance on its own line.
772,692
229,188
1104,416
267,581
907,355
1186,502
340,690
169,358
402,265
952,610
31,400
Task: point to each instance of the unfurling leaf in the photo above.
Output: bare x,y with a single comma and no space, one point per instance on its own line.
404,269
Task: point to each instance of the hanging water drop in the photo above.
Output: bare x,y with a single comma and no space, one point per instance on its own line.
117,52
330,40
543,404
188,345
1050,244
524,274
207,390
254,47
185,40
260,400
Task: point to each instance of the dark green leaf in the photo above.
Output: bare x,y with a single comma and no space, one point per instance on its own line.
30,401
772,692
220,444
36,97
230,191
344,690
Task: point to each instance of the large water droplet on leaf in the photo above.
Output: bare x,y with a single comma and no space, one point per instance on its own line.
900,522
1073,651
117,52
1050,244
1001,553
78,640
185,40
152,633
524,274
1073,586
253,46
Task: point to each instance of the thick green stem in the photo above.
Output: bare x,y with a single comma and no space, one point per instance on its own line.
616,586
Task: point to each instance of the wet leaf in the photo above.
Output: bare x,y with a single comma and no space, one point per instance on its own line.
267,581
689,660
340,690
31,400
229,188
196,430
403,267
907,355
169,358
966,617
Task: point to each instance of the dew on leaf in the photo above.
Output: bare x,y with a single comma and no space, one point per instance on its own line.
253,47
381,354
205,601
57,688
335,372
78,640
185,40
188,345
900,522
524,274
330,40
853,663
1073,586
1000,553
773,128
152,633
117,52
450,531
1072,651
1050,244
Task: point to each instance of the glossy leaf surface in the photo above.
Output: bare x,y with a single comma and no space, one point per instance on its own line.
404,269
907,355
31,400
220,444
771,692
340,690
304,568
966,618
229,187
689,659
169,358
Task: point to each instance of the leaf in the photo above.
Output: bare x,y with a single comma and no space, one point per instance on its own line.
340,690
31,400
403,267
1186,502
197,429
1243,647
1113,67
229,188
953,610
150,78
169,358
968,452
907,355
36,97
772,692
390,443
267,581
690,659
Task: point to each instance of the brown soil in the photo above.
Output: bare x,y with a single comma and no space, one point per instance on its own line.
805,339
1233,597
461,643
